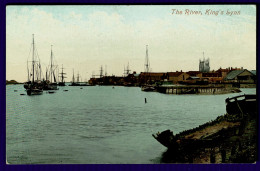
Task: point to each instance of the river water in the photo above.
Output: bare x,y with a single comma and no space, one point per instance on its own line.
99,124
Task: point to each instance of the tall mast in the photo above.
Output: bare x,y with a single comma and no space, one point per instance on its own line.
51,65
101,71
124,71
105,70
73,79
33,59
28,77
40,69
146,61
62,74
62,77
47,74
146,65
78,78
127,69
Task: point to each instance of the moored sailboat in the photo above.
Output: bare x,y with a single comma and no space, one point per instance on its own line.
51,82
73,83
34,84
62,83
147,78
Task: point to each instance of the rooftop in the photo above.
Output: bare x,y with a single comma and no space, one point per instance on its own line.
233,74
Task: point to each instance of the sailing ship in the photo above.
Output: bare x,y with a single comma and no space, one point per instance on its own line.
62,83
77,82
73,83
147,77
51,82
34,84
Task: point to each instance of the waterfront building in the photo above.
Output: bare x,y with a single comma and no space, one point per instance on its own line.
151,77
212,77
241,76
192,80
195,74
177,77
223,72
131,79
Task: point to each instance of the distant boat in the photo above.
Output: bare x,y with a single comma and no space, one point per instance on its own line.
85,84
73,83
62,83
34,91
51,83
147,78
34,84
148,88
129,84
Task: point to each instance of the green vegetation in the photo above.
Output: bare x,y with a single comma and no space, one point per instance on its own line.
12,82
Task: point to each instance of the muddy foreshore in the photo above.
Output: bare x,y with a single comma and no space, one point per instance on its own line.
230,138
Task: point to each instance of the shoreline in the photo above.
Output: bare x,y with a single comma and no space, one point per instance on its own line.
230,138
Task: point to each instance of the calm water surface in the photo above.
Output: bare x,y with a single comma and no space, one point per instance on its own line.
99,124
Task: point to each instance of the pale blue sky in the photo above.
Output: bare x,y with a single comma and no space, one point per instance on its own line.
86,37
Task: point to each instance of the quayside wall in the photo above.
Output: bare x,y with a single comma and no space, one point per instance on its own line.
196,90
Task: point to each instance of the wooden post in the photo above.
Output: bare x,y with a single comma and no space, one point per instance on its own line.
240,109
223,155
212,156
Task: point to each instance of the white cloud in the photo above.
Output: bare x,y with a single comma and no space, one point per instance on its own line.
75,16
86,41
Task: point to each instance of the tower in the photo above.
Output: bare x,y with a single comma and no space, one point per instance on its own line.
204,65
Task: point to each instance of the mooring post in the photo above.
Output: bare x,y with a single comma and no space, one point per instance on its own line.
145,100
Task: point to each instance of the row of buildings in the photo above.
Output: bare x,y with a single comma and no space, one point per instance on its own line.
220,76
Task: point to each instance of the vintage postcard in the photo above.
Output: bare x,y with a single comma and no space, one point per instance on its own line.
131,84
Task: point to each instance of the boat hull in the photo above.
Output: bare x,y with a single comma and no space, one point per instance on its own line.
52,86
34,92
148,88
61,84
241,104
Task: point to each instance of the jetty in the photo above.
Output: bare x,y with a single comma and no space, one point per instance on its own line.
196,89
